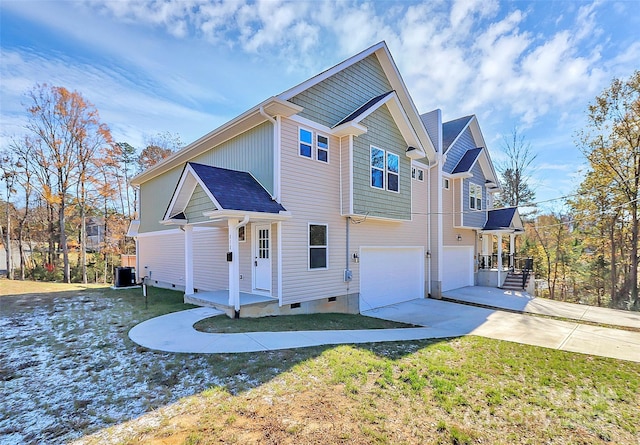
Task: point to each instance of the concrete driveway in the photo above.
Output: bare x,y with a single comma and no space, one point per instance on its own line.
444,316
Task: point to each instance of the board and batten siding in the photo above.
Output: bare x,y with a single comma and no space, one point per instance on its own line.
345,174
162,256
311,192
199,203
154,200
337,97
251,151
383,133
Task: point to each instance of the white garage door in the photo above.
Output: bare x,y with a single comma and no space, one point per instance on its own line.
458,267
390,275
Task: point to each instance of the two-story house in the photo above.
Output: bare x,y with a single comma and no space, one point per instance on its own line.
327,197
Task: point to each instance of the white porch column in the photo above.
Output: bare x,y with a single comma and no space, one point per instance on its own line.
499,238
188,260
234,265
512,250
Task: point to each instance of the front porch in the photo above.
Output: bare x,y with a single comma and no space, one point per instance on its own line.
250,304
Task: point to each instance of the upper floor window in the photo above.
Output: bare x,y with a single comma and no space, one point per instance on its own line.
417,173
385,170
475,196
306,138
393,172
322,147
445,183
313,149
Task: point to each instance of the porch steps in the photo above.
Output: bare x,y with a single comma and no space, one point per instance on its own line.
251,305
514,281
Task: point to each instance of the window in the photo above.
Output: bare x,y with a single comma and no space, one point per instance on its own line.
420,175
307,148
377,168
475,196
385,167
306,139
417,173
393,172
322,147
242,234
318,246
445,183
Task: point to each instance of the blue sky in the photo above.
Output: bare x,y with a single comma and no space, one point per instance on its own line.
188,66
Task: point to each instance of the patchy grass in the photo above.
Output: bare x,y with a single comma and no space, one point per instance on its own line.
67,369
316,322
460,391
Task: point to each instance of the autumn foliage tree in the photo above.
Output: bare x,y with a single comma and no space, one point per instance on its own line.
611,144
68,132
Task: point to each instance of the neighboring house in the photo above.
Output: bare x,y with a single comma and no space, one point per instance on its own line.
327,197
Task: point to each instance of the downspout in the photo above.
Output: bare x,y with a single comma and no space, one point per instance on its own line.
276,153
429,225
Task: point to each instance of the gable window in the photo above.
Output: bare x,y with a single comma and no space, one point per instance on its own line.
318,246
475,196
306,138
377,168
445,183
393,172
322,148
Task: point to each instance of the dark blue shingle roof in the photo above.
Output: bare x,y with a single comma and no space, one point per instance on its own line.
500,218
363,108
451,130
467,161
235,190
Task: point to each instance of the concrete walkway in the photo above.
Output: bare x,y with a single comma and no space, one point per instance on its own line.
439,319
522,302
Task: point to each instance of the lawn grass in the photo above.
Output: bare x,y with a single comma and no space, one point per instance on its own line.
331,321
68,369
457,391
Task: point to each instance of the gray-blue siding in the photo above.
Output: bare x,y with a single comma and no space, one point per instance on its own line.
456,151
475,218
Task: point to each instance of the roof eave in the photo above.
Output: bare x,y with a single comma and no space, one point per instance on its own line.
273,106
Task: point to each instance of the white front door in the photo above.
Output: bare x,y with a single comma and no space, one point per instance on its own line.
262,258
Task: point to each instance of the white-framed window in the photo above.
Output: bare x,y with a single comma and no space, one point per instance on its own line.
318,246
377,168
393,172
242,234
313,147
445,183
475,196
306,143
322,148
417,174
385,170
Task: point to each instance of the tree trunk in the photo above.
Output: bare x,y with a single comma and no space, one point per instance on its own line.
634,254
63,244
614,269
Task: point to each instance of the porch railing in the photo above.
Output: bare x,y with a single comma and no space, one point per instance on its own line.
488,262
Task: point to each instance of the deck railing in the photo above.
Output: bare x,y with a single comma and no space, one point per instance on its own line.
488,262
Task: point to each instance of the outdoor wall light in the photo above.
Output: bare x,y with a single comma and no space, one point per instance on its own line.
356,258
459,237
